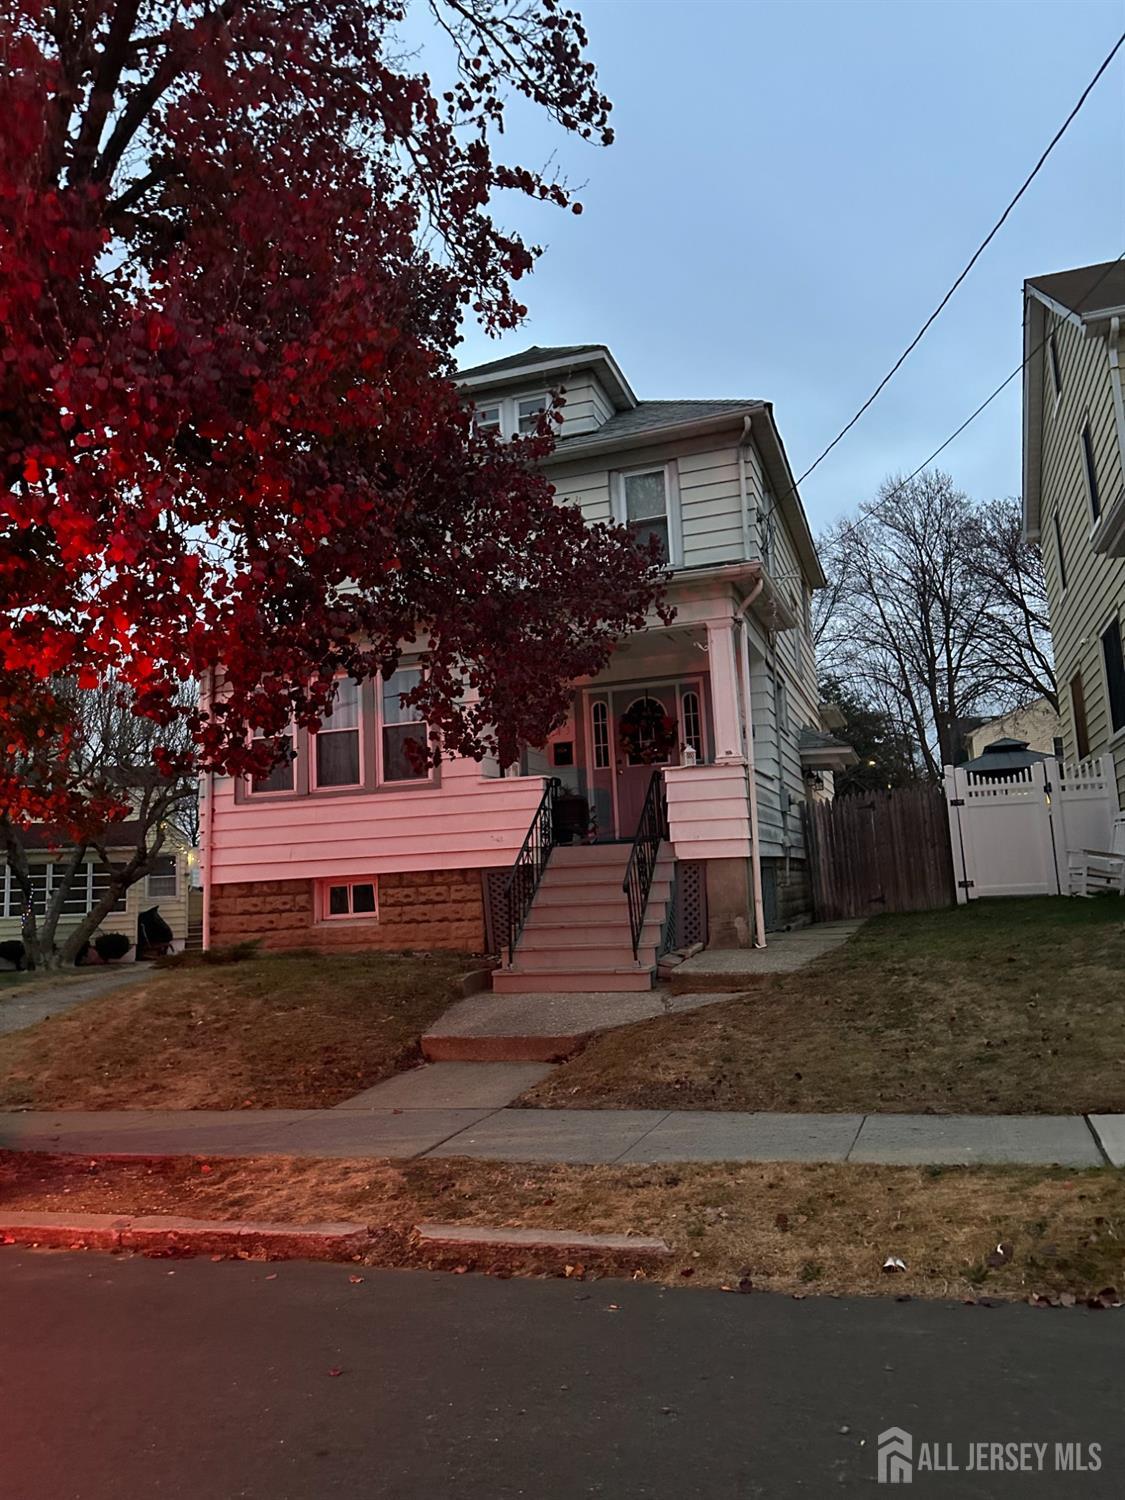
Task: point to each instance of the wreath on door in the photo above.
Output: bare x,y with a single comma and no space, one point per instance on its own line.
646,732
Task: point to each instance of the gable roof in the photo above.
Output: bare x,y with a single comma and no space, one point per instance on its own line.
1087,291
535,355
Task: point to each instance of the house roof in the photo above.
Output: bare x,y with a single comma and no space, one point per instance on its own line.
1085,290
652,416
537,354
824,752
39,836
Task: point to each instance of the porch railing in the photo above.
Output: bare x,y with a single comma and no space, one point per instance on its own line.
531,861
652,828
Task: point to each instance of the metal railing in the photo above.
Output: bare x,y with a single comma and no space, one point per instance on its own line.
652,828
531,861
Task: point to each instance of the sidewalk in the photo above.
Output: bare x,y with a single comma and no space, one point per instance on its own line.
576,1136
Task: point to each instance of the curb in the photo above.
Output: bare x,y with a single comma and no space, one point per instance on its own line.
166,1234
440,1047
472,1236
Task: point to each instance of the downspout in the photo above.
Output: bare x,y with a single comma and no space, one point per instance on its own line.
751,778
1115,382
209,834
782,792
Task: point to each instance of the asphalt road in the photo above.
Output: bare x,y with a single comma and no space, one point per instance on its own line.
150,1378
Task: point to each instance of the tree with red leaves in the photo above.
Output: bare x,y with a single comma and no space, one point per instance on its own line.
236,240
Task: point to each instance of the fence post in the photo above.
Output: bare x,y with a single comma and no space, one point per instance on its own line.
952,798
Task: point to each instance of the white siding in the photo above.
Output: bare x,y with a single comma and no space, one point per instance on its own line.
1095,584
587,407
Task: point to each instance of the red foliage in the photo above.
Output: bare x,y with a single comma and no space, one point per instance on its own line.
228,436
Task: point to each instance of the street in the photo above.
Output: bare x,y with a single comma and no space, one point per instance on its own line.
289,1381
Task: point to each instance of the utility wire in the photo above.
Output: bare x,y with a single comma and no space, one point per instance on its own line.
864,514
917,339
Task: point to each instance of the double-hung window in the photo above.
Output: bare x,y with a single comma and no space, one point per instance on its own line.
487,418
1114,658
162,876
282,777
511,416
644,506
528,411
402,730
338,758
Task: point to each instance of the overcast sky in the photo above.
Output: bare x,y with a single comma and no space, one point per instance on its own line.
793,188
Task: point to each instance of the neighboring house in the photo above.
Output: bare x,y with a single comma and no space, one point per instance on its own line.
348,848
165,886
1074,494
1037,725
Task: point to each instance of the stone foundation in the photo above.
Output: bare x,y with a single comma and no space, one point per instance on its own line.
419,910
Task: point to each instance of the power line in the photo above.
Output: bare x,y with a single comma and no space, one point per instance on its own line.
862,516
917,339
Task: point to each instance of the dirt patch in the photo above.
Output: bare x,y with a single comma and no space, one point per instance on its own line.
789,1228
1001,1007
285,1031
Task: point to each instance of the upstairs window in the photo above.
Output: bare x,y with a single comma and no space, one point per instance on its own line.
487,418
643,506
1114,659
1091,472
402,729
528,411
281,778
338,757
1078,710
1059,550
1056,371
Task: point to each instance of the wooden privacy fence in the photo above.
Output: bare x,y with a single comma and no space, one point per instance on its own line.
882,851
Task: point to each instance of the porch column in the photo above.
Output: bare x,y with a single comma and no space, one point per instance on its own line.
724,691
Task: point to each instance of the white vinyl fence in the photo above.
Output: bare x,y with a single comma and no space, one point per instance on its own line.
1010,835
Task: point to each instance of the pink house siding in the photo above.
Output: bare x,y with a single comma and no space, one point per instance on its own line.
469,821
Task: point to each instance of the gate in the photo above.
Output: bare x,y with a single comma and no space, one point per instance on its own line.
881,851
1010,835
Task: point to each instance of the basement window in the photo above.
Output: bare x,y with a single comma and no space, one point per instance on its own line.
348,898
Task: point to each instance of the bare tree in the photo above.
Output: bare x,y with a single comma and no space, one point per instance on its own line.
1018,625
108,753
911,621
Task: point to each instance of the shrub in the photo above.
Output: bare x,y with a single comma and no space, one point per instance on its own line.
110,946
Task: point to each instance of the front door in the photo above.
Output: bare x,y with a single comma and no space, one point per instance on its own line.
647,735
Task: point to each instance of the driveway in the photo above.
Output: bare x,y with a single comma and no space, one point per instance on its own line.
31,998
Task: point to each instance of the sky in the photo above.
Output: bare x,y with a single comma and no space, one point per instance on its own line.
793,188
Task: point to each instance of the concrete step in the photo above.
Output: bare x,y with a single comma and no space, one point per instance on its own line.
566,956
603,877
587,893
589,856
594,933
577,980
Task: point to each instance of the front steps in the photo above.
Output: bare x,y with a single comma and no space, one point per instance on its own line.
576,937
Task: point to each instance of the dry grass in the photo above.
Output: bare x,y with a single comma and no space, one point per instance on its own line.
792,1228
1000,1007
286,1031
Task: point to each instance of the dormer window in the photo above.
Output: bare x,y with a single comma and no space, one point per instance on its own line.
513,416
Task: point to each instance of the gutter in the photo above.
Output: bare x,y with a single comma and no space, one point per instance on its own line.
209,837
751,778
1112,341
649,437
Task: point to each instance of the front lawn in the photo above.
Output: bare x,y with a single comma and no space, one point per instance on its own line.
280,1032
780,1227
999,1007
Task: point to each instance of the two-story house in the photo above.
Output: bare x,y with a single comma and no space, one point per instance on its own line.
706,729
1074,493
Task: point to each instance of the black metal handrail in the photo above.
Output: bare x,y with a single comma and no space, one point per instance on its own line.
531,861
652,828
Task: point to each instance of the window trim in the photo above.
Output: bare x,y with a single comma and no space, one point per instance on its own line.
1090,473
357,730
349,883
1115,733
670,471
508,411
604,746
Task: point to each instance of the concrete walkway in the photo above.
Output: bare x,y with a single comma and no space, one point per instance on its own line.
36,997
576,1135
736,968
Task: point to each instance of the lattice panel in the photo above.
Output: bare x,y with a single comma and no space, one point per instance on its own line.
495,909
691,903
